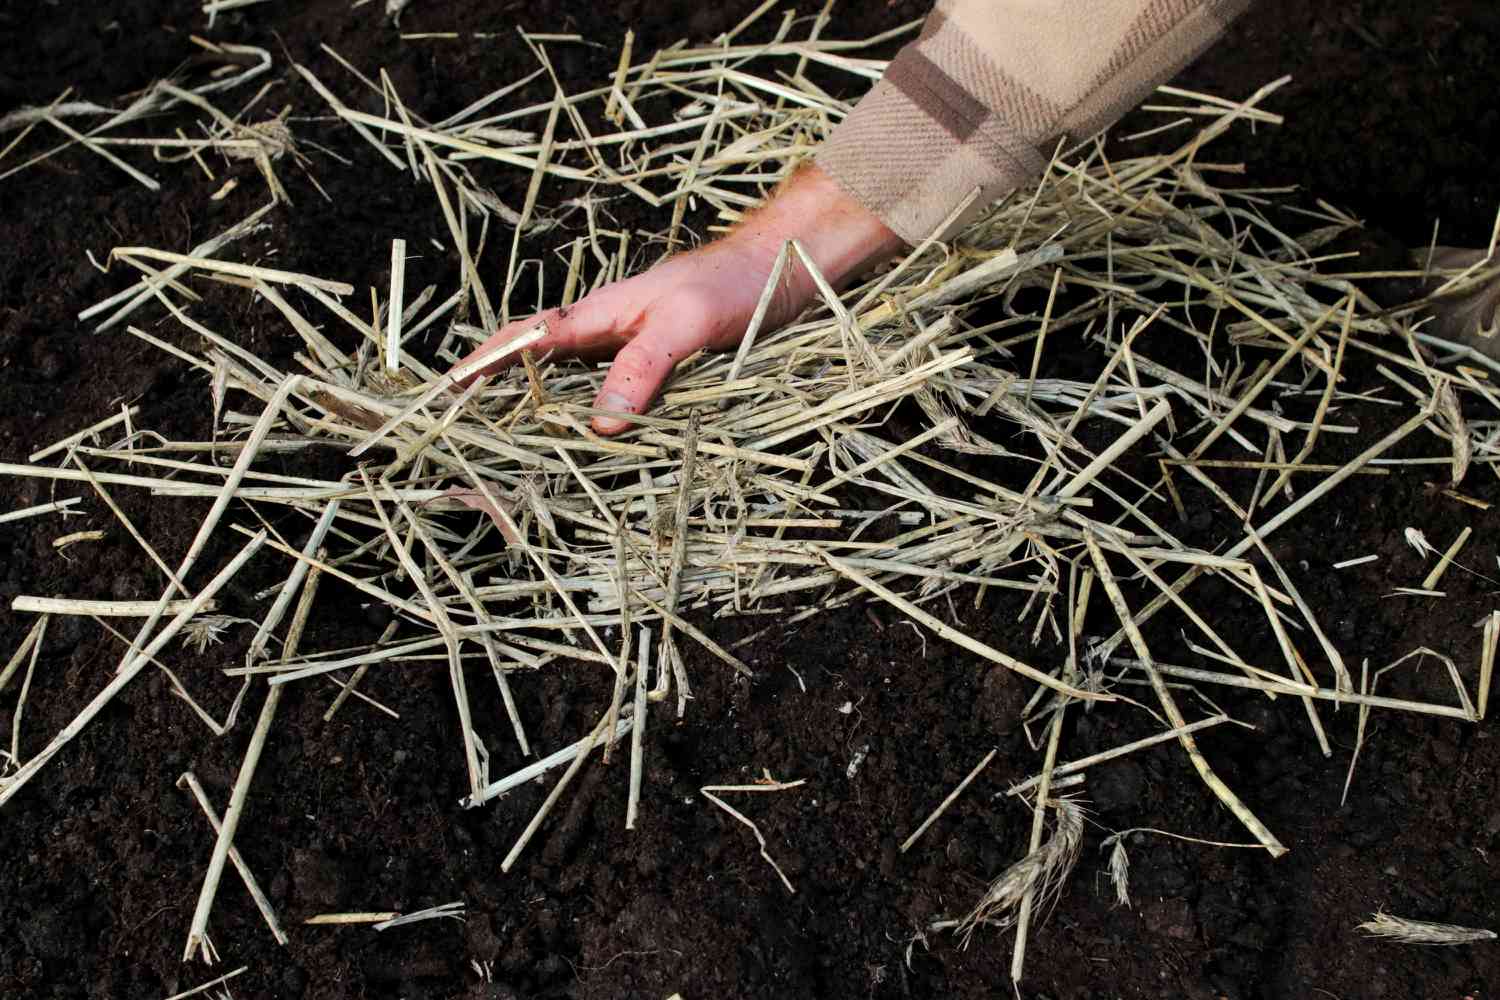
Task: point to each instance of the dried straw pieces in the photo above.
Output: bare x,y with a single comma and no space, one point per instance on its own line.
1401,930
502,533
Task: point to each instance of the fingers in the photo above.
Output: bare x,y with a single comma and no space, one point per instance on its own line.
653,320
587,328
640,370
495,345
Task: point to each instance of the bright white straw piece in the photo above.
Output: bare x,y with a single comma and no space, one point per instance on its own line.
270,274
1431,581
454,910
77,436
638,734
104,609
40,509
138,293
19,657
146,179
495,789
1404,931
191,782
948,801
1486,661
198,932
769,786
209,985
327,919
393,308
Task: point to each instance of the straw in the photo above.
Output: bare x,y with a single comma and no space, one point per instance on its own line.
1403,930
132,667
251,884
712,792
849,458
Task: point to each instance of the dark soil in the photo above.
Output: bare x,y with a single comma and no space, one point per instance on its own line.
1392,116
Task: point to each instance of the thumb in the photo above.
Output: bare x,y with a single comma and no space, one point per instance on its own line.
640,370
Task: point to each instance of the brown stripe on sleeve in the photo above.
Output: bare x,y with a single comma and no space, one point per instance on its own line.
933,24
897,161
936,94
1016,103
981,98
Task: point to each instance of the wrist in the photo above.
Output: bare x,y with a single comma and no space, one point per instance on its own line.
842,237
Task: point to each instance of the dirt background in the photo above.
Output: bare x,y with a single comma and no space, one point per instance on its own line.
1391,116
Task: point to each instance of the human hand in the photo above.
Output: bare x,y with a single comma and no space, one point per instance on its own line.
705,299
650,322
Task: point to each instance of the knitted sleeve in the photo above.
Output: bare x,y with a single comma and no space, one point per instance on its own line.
982,96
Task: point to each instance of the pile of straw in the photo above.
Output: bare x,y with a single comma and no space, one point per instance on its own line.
500,531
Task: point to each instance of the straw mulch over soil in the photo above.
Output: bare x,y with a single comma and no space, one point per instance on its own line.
1070,603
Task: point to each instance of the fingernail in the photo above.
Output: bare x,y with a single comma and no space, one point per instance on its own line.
612,401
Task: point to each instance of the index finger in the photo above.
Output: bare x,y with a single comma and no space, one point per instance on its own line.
501,350
596,325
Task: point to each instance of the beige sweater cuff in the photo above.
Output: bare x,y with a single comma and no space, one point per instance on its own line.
982,98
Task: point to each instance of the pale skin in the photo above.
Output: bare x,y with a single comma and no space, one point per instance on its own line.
704,299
